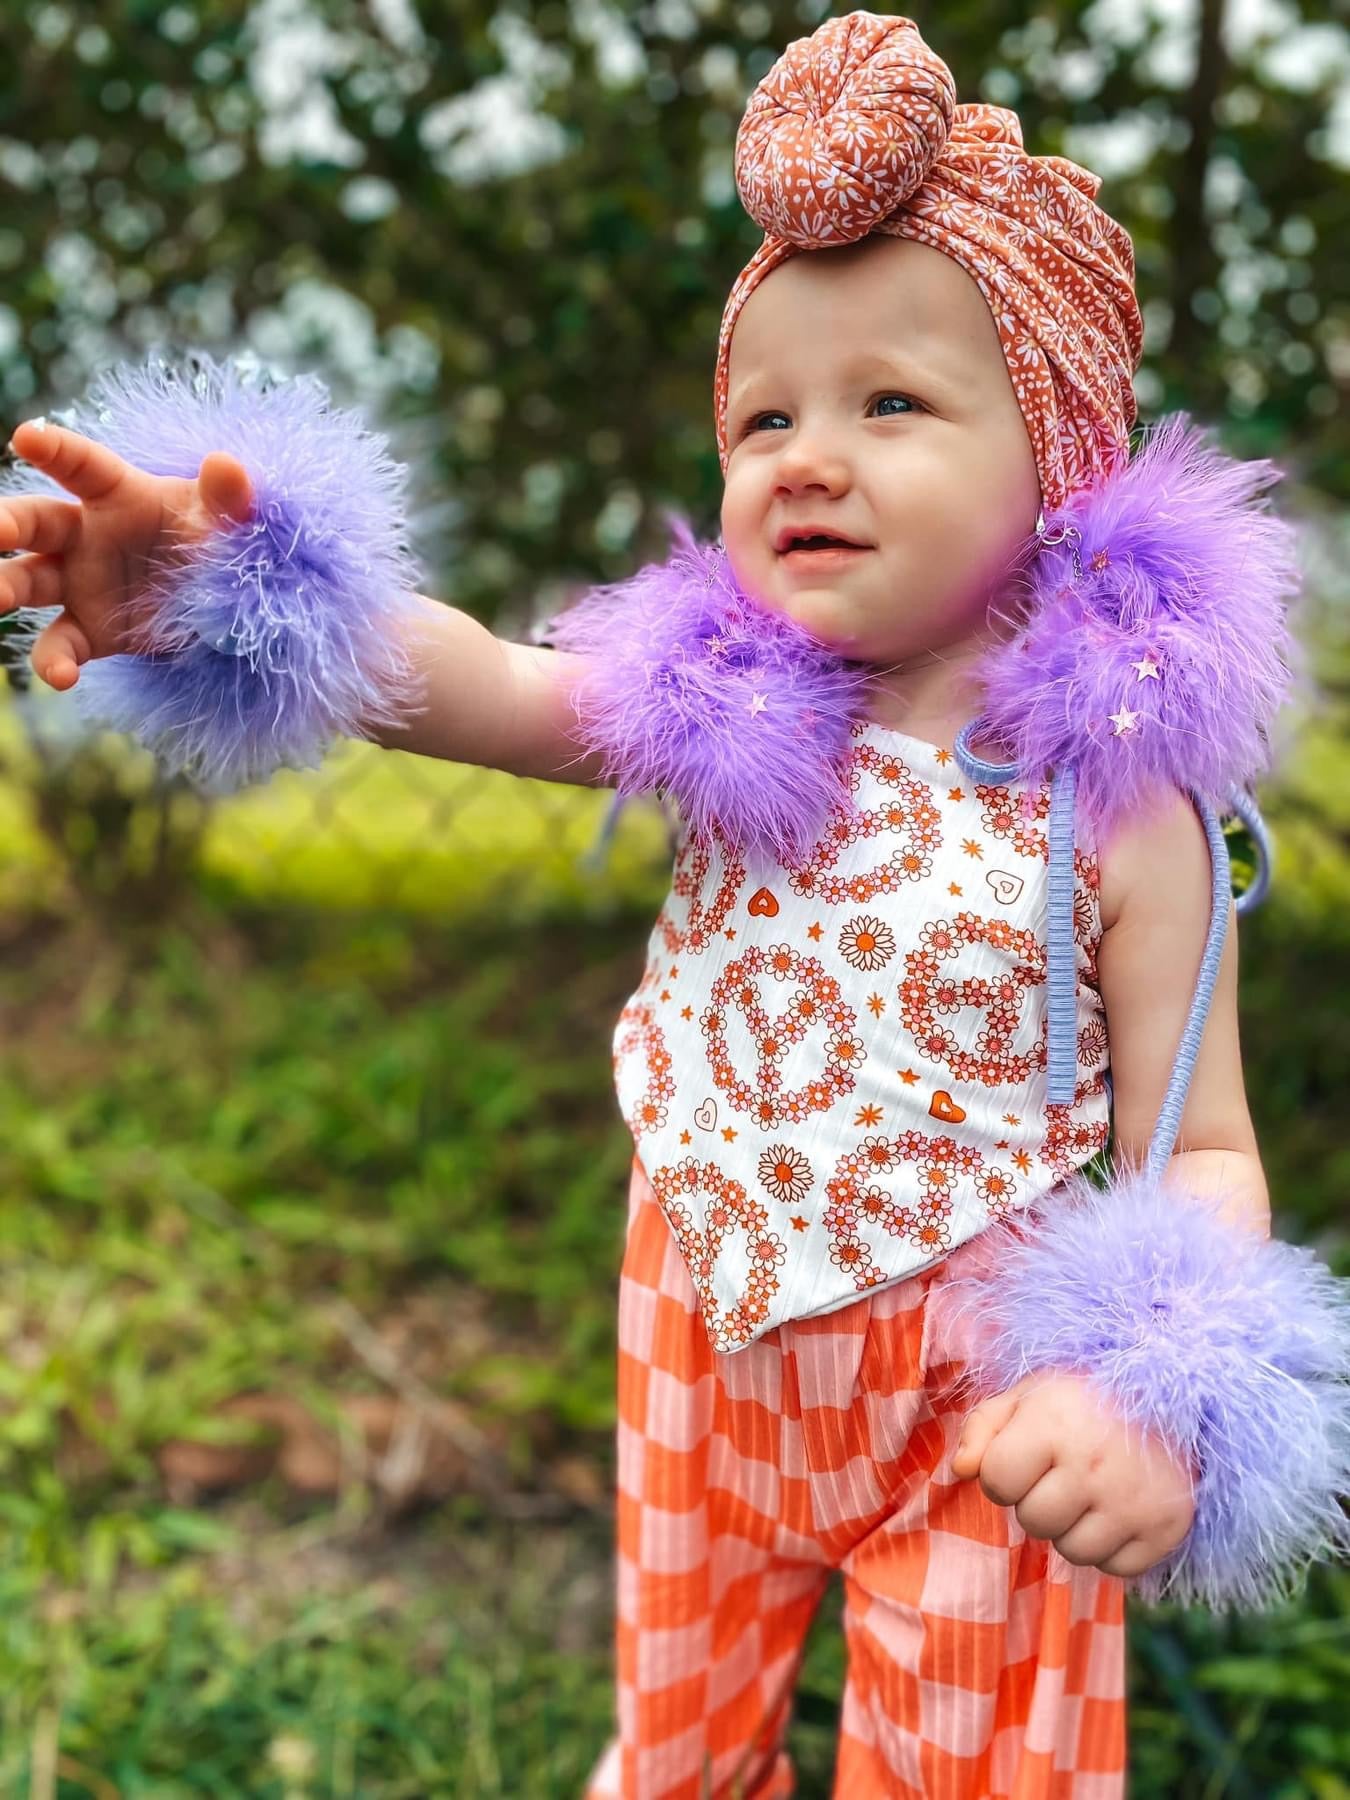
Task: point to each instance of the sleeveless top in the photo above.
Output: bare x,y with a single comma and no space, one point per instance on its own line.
834,1073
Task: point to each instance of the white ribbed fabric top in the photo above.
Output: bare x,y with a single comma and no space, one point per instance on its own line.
835,1073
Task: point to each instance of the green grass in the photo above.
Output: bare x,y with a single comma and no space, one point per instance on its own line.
213,1131
281,1107
333,1666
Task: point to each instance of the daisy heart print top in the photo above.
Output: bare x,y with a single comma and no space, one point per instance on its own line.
835,1073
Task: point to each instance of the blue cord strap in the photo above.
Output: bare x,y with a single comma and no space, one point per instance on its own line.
1243,804
595,859
1061,970
975,768
1061,974
1061,962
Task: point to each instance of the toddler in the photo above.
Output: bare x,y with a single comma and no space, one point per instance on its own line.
835,1065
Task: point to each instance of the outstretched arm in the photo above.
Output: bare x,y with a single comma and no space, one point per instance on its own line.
491,702
482,700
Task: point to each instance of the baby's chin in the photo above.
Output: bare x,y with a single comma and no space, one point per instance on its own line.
839,620
831,617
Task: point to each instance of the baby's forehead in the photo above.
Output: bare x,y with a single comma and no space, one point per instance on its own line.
885,296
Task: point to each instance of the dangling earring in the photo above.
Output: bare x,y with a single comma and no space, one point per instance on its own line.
717,565
1066,533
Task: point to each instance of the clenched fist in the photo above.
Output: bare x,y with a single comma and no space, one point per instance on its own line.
1104,1492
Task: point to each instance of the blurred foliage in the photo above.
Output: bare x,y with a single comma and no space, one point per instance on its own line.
507,233
89,824
509,230
246,1091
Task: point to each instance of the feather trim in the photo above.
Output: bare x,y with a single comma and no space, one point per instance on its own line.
692,688
1153,651
1149,649
1232,1348
276,636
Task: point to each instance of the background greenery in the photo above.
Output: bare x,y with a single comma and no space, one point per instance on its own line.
307,1132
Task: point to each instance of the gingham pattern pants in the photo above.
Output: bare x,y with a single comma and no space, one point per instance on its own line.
980,1663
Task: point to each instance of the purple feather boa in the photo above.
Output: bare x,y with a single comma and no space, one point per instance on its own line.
277,636
1232,1348
691,687
1179,572
1179,568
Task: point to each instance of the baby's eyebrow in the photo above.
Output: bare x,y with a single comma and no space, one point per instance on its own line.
928,370
916,368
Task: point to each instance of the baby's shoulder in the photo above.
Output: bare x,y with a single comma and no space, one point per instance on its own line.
1160,858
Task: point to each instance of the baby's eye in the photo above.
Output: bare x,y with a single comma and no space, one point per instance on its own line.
757,419
753,423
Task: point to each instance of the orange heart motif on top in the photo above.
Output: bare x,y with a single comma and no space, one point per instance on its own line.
862,1211
911,815
762,905
688,882
704,1208
943,1107
815,1004
930,995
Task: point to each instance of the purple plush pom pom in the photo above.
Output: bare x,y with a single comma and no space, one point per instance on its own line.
694,688
277,636
1180,570
1232,1348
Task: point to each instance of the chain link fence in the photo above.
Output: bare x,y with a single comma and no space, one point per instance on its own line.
88,818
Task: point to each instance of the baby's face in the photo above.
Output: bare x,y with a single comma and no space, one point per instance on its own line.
868,396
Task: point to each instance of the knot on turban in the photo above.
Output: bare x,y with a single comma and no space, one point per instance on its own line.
857,129
832,141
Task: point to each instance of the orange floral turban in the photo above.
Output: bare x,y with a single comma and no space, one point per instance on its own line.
856,129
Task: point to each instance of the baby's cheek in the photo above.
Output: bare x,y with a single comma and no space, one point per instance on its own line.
747,564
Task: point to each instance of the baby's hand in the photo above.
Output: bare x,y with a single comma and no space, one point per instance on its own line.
93,559
1106,1493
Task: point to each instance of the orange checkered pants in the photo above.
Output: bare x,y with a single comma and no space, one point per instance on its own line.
981,1665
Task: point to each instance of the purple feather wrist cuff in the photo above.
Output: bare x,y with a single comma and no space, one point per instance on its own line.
278,636
1233,1349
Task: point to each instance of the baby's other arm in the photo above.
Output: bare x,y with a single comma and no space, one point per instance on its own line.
1105,1493
489,701
1155,904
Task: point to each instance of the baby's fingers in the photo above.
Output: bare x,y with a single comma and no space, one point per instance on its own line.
86,468
37,522
58,652
225,489
1056,1505
31,581
1093,1540
982,1426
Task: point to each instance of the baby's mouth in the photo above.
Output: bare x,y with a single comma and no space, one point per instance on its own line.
811,539
821,553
